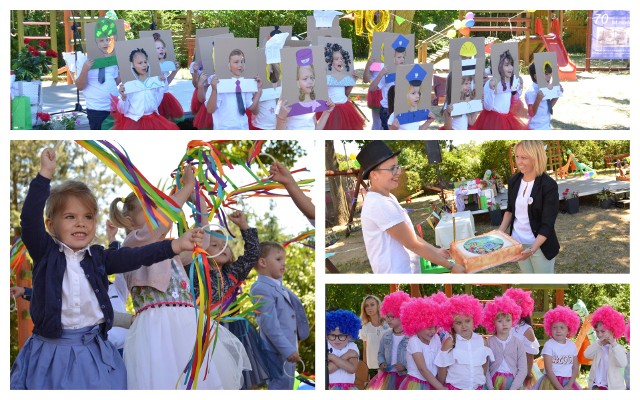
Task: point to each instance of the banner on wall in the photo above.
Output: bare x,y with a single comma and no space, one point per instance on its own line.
610,34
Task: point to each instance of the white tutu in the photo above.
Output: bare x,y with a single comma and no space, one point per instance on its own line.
160,343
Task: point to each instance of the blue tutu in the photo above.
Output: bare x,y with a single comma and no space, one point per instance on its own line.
79,359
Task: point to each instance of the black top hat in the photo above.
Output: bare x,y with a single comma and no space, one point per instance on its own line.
374,154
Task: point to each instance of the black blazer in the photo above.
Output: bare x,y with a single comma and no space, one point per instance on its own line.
542,212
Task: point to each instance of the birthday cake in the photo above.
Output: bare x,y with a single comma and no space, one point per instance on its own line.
485,251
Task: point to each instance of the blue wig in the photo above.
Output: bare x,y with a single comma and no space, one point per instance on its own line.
347,321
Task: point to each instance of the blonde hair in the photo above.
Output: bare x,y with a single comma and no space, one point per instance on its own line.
130,205
363,314
535,150
60,194
233,256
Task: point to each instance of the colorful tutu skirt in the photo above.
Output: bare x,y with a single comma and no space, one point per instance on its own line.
413,383
596,387
374,98
151,122
544,383
262,367
495,121
386,381
342,386
502,381
170,108
201,118
79,359
451,387
344,116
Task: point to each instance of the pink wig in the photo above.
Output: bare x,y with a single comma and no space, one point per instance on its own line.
463,304
610,319
392,302
440,304
522,299
627,333
500,305
417,314
562,314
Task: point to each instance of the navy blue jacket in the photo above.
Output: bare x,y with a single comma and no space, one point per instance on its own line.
542,211
49,265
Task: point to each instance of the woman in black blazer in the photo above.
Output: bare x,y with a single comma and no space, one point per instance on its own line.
532,209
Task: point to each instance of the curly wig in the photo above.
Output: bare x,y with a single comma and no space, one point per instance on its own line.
523,299
610,319
440,304
417,314
331,48
499,305
627,333
347,321
392,302
562,314
463,304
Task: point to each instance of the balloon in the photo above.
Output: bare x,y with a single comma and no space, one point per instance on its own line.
469,22
352,156
469,15
457,24
451,33
464,31
531,11
356,163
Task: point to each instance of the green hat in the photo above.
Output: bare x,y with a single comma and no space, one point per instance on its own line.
105,27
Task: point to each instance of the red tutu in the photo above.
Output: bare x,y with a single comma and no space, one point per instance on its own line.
203,119
195,103
151,122
170,107
518,108
374,98
344,117
493,120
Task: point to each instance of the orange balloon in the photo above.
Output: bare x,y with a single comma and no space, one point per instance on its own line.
464,31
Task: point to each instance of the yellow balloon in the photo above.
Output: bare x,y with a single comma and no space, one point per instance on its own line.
531,10
451,33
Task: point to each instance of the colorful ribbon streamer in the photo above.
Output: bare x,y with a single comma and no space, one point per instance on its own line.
18,254
158,208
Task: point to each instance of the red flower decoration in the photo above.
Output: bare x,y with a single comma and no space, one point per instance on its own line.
35,53
31,49
42,44
51,53
183,284
26,41
44,117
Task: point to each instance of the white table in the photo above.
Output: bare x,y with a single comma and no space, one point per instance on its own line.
465,228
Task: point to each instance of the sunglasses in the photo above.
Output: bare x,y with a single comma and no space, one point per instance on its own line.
341,338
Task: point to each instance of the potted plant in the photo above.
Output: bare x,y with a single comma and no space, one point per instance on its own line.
33,61
571,201
495,212
28,68
605,198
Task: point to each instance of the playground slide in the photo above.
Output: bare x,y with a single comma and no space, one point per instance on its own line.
553,43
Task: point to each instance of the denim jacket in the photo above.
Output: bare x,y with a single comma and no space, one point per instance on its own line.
384,353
